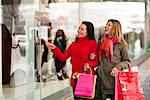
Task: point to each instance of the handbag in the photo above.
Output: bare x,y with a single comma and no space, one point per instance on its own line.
85,87
128,86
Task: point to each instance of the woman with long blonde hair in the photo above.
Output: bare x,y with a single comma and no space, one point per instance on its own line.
117,32
113,56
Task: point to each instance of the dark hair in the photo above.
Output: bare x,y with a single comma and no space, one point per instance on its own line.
50,24
90,30
60,33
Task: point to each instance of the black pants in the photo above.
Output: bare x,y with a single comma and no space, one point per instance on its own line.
59,64
44,55
110,96
99,94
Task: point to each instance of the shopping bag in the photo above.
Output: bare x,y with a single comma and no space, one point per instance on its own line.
85,87
128,86
118,92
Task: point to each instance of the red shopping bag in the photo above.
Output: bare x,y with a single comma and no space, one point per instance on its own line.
85,87
128,86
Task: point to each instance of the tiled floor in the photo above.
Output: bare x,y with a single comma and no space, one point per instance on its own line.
36,91
66,93
144,70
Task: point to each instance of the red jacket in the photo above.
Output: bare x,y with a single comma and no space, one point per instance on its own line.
79,52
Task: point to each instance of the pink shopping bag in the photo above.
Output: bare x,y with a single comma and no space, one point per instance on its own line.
128,86
85,87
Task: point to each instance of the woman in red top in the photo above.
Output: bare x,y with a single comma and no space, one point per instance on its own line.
80,50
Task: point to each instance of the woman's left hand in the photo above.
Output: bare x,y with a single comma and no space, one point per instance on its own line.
114,71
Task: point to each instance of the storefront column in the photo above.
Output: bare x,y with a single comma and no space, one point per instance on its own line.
0,63
0,51
147,24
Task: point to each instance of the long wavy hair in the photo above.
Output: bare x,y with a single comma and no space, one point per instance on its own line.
90,30
116,32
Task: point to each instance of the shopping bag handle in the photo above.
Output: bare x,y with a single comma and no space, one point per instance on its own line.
76,74
129,67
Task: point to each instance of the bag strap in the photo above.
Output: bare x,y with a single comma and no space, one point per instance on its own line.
129,67
76,74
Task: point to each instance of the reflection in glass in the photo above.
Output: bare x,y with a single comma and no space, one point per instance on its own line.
19,72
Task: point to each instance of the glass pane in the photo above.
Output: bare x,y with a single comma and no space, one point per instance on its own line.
53,17
18,73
